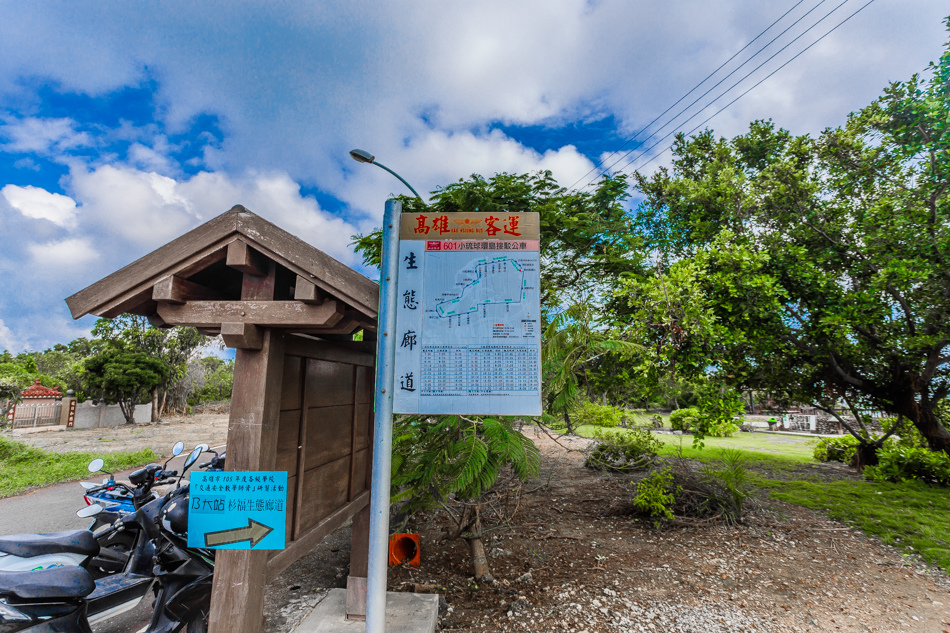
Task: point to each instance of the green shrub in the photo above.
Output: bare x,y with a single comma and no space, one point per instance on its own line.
604,415
656,495
621,451
899,463
723,427
836,449
728,487
694,419
907,435
684,419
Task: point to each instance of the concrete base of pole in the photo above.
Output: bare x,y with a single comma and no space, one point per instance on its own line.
405,613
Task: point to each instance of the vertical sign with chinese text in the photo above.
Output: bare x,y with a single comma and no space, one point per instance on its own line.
468,321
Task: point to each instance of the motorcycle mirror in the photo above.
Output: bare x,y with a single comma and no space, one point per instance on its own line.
179,447
89,511
192,458
204,447
96,465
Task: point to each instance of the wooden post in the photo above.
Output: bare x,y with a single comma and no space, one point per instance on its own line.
359,561
237,594
237,598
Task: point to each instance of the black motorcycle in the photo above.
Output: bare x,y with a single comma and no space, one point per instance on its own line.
66,599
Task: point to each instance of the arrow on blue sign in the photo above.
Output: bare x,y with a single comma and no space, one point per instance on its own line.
254,532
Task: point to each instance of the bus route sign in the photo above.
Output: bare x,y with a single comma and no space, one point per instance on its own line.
468,317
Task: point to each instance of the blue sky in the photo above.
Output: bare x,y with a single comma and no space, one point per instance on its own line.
123,125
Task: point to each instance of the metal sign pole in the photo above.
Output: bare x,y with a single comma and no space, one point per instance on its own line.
383,427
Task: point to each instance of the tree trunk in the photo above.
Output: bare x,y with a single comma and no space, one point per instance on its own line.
865,455
938,438
155,412
128,410
479,560
924,418
567,420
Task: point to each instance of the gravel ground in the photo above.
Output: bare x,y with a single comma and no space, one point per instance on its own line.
211,428
573,562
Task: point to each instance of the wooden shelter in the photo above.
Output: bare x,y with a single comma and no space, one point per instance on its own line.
303,388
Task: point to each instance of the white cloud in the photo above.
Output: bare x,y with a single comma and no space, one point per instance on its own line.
40,204
318,79
135,205
42,136
143,209
67,256
276,197
7,340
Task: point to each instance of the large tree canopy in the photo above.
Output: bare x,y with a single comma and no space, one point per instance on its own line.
587,238
817,268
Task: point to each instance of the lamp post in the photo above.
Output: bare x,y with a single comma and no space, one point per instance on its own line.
378,558
362,156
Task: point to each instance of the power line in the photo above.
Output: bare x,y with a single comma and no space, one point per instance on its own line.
734,71
720,110
694,88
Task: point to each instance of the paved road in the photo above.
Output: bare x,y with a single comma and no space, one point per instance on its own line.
53,509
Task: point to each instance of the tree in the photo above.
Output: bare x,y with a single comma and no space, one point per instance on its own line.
13,379
173,346
587,238
572,342
125,377
815,268
472,468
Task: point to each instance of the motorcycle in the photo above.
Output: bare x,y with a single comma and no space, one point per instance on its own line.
68,598
117,497
45,600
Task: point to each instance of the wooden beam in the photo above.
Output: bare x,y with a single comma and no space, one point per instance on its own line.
174,289
308,292
334,352
244,258
284,558
242,335
287,314
156,321
237,595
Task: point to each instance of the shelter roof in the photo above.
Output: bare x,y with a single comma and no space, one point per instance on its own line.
201,277
36,390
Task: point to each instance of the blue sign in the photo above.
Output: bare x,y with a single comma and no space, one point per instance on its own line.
239,510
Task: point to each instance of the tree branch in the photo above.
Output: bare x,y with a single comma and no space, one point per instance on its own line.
831,411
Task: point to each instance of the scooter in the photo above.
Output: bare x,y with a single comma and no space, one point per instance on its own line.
101,548
67,599
45,600
115,496
183,574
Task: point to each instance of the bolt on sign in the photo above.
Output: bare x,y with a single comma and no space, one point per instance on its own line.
237,510
468,316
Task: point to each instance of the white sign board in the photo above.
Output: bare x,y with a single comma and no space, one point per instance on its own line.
468,319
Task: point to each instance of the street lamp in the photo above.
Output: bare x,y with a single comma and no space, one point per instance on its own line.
378,560
362,156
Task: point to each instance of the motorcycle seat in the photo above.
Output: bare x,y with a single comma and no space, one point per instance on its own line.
80,542
47,584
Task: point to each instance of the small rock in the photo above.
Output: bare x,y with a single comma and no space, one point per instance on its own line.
525,577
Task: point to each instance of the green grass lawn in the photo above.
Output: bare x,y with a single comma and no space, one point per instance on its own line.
782,449
23,467
911,516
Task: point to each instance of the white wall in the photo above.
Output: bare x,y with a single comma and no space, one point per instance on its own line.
88,417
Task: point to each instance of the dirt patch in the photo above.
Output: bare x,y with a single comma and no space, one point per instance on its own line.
211,428
571,564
